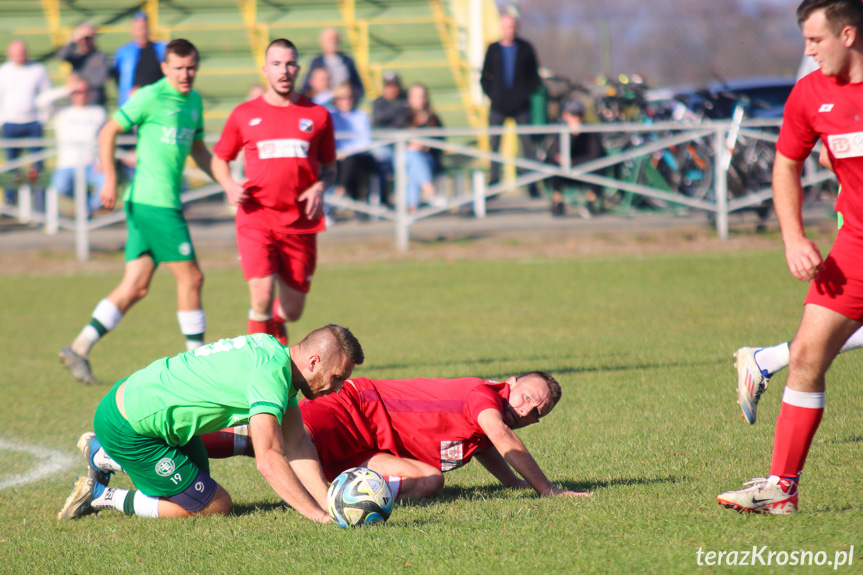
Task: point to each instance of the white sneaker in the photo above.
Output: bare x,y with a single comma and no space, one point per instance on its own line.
751,381
78,366
772,496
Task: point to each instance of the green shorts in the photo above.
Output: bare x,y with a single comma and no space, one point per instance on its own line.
160,232
156,468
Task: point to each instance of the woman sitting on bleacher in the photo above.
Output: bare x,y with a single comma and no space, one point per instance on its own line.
353,128
421,162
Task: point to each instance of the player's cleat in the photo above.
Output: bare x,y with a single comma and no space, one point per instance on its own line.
78,366
78,502
751,381
89,445
773,496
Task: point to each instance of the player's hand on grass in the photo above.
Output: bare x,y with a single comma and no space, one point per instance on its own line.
804,259
314,200
108,195
236,192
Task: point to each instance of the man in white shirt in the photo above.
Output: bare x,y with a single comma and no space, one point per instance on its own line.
20,84
77,129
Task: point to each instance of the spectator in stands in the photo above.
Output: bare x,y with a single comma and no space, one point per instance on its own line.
319,87
77,128
255,92
390,111
421,162
138,63
340,66
353,131
510,74
583,147
21,82
89,63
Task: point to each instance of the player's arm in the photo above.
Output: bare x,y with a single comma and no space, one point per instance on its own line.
314,195
495,464
202,157
270,458
220,171
107,147
801,253
516,454
302,456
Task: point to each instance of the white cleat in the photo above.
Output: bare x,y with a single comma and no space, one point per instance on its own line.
762,495
751,381
78,502
78,366
85,446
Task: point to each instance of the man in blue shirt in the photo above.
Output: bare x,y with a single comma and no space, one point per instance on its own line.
138,63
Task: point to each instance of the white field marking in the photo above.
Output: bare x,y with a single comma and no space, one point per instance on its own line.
50,462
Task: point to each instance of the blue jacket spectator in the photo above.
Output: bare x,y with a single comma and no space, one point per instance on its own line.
138,63
340,66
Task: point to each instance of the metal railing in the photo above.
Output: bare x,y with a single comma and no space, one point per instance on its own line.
471,189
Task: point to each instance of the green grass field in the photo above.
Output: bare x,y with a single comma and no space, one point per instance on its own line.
648,421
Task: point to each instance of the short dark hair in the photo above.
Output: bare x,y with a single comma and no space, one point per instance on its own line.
282,43
182,48
553,386
335,338
839,13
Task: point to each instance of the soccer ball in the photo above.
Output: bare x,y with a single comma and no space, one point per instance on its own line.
359,496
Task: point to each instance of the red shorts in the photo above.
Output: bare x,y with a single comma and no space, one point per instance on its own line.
839,285
340,434
264,252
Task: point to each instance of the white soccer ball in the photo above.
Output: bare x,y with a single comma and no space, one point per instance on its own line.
359,496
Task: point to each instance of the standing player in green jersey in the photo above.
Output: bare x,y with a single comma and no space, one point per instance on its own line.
149,425
170,120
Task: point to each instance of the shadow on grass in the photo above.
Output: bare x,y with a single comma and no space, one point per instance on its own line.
496,491
252,508
541,362
852,439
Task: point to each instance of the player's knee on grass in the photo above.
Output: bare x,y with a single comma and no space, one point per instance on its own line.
203,497
422,486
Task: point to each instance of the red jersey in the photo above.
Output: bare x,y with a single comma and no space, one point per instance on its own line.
430,420
284,148
823,107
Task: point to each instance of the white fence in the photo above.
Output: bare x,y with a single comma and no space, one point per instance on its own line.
716,138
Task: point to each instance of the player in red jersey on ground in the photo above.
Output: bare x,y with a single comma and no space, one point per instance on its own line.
824,105
412,430
289,149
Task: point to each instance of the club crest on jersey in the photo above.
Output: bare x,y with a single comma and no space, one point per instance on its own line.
306,125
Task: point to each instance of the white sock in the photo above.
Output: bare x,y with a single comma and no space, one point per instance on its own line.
107,315
853,342
241,439
110,498
255,316
104,462
773,359
395,483
146,506
806,399
192,322
86,340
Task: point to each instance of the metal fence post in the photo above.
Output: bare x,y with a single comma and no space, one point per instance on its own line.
720,182
25,204
478,194
400,185
82,234
52,209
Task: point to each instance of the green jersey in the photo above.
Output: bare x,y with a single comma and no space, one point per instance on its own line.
168,123
207,389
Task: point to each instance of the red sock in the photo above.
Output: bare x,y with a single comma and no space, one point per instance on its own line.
278,330
798,421
219,444
257,326
276,315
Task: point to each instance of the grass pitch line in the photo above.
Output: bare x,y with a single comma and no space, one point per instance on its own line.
50,462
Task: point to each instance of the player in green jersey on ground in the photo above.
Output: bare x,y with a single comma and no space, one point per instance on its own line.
170,120
149,425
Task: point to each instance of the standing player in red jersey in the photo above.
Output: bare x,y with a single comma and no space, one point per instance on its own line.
824,105
290,152
412,430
